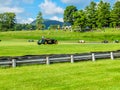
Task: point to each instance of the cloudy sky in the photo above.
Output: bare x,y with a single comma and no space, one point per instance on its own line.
27,10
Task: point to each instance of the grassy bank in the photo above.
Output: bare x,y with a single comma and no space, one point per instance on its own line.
107,34
100,75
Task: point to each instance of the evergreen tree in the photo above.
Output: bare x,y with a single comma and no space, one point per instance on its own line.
39,21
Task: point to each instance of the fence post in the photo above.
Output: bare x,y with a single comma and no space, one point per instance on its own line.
13,63
72,59
47,60
111,55
93,57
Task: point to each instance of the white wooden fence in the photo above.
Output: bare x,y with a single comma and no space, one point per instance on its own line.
69,58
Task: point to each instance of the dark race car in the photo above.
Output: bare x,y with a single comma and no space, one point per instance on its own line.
47,41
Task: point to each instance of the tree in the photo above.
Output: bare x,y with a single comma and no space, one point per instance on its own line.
53,27
115,15
91,14
103,14
7,21
18,27
0,22
68,14
39,21
28,26
80,19
11,20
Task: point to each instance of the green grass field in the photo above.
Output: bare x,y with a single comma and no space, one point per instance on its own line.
26,48
99,75
15,43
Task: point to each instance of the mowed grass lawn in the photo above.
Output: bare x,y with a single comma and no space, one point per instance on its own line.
19,48
99,75
15,43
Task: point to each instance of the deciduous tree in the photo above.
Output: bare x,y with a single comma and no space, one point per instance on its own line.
115,15
103,14
68,14
90,12
80,19
7,21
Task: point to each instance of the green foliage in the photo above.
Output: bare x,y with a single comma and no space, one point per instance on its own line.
80,19
7,21
19,27
39,21
115,15
54,27
94,15
91,15
68,14
103,14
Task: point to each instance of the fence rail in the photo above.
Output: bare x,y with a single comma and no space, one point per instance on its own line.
48,59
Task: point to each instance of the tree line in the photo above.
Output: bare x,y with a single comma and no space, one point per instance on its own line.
8,22
95,15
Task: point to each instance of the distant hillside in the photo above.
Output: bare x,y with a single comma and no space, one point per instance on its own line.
48,22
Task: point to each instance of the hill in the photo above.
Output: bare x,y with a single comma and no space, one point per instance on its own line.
48,22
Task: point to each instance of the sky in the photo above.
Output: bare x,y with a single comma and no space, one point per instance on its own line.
27,10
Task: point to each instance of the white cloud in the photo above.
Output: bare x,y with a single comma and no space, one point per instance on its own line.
57,18
10,6
15,6
50,8
11,9
25,21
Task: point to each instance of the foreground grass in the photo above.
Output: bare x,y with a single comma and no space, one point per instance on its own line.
26,48
99,75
